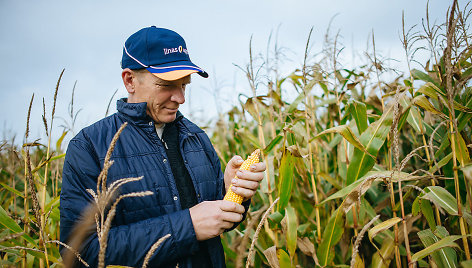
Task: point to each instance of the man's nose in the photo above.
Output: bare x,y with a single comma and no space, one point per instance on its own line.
178,95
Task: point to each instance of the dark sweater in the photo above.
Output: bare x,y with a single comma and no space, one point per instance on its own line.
185,187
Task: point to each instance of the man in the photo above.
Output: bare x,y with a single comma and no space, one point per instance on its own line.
175,157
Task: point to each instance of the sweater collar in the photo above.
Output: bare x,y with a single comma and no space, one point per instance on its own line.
136,112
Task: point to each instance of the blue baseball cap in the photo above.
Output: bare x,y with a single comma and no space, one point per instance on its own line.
161,51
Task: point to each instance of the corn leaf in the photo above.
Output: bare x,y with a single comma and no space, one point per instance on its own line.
468,172
384,254
441,163
276,217
423,102
291,232
431,90
445,257
296,102
285,180
347,133
10,224
59,141
284,259
13,190
382,227
58,157
377,175
461,149
54,203
413,115
466,264
428,213
372,138
415,207
419,75
273,143
330,179
271,256
331,235
358,111
445,242
464,118
441,197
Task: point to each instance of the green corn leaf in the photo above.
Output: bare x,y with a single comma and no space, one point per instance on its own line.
441,197
276,217
464,118
441,163
53,204
419,75
466,264
330,179
428,213
403,119
15,191
445,242
285,180
465,58
372,138
58,157
291,231
284,259
347,133
10,224
273,143
462,108
413,115
445,257
331,235
358,111
378,175
415,207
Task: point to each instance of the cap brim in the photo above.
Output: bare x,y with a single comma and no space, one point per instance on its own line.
176,70
174,75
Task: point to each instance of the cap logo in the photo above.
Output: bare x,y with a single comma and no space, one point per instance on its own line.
179,49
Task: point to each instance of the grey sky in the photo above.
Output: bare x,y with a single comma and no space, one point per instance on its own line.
39,38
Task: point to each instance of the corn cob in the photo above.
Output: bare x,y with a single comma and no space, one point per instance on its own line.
253,158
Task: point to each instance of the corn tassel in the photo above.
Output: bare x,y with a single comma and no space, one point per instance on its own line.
253,158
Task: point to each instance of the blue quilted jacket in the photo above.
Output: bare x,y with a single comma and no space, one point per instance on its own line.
140,221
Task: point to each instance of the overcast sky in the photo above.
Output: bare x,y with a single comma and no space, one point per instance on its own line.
40,38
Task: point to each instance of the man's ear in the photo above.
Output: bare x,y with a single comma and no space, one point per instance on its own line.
129,80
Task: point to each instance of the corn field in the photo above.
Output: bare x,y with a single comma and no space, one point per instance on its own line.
366,166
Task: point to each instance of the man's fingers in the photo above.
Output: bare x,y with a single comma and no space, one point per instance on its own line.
229,206
236,161
252,185
258,167
246,193
249,176
231,217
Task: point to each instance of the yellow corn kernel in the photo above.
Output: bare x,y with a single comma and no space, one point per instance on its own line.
253,158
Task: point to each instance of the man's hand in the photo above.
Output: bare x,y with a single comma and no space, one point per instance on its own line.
248,180
212,218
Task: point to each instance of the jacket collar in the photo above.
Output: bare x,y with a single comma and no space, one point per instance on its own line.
136,112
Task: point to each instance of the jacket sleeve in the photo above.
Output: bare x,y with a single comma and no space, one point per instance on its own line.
127,244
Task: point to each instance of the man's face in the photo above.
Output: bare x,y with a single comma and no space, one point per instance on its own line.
163,97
